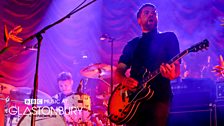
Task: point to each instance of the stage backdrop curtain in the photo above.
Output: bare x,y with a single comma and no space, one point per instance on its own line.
74,44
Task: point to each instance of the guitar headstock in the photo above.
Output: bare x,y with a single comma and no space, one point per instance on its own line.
199,46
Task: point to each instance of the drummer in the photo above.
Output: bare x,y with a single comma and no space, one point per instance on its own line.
65,84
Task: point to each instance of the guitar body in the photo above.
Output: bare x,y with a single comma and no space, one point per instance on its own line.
123,104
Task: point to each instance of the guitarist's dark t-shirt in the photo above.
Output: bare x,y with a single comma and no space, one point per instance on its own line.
148,52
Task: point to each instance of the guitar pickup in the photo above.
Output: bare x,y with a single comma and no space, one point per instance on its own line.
123,97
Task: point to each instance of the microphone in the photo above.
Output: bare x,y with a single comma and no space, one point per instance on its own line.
104,37
32,48
78,90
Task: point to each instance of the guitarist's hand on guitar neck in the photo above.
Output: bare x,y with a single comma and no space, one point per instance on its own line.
130,83
170,71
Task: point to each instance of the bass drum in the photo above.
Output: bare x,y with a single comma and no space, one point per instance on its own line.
43,117
78,108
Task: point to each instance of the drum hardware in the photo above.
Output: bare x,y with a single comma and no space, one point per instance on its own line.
98,71
108,84
100,115
103,96
9,120
5,89
6,111
85,84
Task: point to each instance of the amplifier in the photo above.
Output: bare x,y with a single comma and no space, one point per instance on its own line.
193,92
193,85
220,90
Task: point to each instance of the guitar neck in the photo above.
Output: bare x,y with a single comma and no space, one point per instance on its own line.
195,48
157,71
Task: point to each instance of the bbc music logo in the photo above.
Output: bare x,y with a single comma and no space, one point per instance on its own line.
43,101
38,101
43,110
33,101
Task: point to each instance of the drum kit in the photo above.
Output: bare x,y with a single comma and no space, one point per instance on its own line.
81,114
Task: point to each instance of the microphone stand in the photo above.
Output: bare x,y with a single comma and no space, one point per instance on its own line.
39,38
111,40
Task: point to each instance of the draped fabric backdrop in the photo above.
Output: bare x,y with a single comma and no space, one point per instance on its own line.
74,44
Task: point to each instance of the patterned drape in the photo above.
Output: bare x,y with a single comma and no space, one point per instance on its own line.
74,44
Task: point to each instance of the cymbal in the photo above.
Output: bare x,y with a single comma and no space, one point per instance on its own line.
21,93
98,70
6,88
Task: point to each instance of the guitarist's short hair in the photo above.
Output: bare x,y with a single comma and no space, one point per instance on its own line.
144,5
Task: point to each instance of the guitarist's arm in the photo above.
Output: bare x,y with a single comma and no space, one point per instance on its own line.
171,71
121,78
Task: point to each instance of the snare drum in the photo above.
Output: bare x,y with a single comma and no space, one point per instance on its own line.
78,108
43,117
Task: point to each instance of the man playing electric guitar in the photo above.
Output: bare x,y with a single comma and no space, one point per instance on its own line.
146,53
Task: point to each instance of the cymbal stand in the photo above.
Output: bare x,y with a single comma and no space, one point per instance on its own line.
100,77
85,84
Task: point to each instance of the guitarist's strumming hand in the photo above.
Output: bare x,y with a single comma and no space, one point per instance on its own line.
170,71
130,83
120,77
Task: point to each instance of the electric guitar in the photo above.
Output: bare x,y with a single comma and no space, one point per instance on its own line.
123,103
